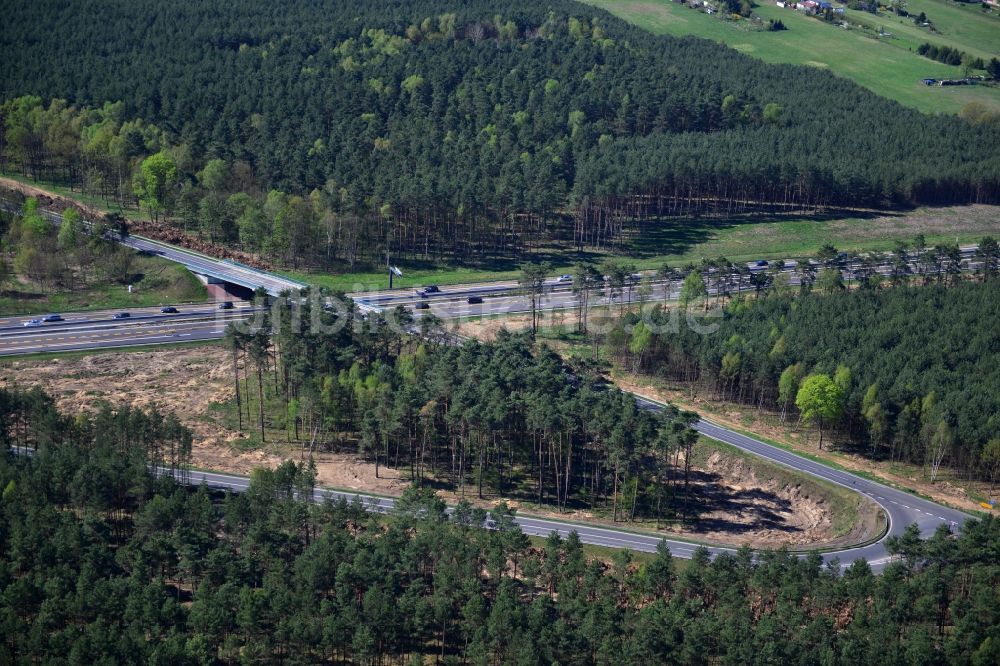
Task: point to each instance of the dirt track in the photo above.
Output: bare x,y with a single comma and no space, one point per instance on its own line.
157,231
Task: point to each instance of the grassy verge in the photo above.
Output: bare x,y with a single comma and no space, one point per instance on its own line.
886,68
680,242
606,554
412,277
157,281
79,353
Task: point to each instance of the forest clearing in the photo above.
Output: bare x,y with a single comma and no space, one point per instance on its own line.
744,500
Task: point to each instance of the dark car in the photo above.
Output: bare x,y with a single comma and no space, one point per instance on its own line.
760,263
431,289
52,317
226,305
474,300
420,305
122,315
169,310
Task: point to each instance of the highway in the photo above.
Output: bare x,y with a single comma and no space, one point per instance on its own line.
94,330
100,330
504,297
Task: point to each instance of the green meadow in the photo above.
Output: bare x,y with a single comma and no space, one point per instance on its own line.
884,65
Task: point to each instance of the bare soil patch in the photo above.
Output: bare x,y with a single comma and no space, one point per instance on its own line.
742,503
186,382
486,329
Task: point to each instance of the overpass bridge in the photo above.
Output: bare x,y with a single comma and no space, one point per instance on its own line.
211,270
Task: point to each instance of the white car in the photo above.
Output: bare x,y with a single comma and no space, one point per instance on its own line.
33,322
565,278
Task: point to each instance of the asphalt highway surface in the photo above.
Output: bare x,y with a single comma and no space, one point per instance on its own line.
505,297
100,330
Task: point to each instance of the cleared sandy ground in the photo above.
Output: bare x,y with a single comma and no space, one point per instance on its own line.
736,506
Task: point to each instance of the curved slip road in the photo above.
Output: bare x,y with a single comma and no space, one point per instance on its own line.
541,527
901,508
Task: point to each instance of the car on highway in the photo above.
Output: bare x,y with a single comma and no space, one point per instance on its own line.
421,293
33,322
420,305
226,305
52,317
122,315
168,310
475,300
432,289
760,263
564,278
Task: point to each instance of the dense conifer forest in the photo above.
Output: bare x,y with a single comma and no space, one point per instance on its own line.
322,133
103,562
486,420
908,373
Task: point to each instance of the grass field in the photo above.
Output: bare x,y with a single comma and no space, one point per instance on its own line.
885,67
961,26
679,242
158,281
